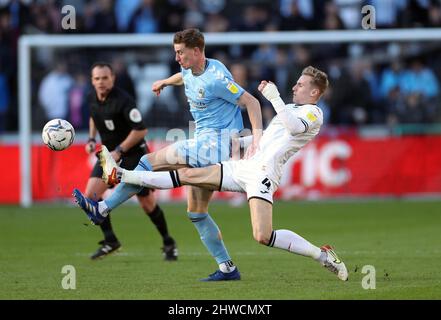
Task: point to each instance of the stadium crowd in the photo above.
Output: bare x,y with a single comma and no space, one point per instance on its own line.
384,83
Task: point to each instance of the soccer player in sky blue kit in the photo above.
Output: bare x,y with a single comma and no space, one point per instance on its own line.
214,99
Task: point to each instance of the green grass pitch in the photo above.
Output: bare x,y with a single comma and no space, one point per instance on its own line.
400,239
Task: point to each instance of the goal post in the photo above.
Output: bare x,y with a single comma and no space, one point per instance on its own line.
28,42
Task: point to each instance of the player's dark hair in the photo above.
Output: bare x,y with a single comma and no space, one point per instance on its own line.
319,78
192,38
102,64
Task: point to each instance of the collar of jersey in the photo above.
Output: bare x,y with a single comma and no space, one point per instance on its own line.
205,69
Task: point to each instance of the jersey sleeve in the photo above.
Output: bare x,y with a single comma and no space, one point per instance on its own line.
311,116
300,121
227,89
132,115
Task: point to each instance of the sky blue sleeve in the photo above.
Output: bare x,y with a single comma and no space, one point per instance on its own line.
227,89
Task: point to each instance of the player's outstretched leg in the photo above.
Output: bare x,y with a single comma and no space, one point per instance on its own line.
109,166
89,206
123,191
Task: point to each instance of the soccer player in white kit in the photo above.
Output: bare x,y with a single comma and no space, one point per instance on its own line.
259,176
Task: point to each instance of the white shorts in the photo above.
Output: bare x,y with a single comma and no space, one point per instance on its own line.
246,176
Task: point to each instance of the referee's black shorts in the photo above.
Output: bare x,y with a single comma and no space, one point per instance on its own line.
128,162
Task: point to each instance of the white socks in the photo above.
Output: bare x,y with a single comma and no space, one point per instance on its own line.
103,209
155,180
290,241
227,267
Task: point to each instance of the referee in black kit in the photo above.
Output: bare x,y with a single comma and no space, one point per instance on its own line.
113,114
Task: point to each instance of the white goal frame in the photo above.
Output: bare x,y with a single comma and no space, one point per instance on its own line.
27,42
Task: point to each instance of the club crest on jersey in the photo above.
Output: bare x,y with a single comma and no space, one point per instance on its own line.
109,125
232,88
201,93
266,183
135,115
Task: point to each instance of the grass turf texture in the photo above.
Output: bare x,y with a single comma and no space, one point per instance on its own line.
399,238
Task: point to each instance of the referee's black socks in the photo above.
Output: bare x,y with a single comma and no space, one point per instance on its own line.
158,219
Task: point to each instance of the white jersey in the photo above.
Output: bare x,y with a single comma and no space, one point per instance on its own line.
278,144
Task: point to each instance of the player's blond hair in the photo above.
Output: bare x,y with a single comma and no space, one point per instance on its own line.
192,38
319,78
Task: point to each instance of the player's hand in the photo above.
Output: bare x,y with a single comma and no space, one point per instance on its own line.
157,87
90,146
253,147
269,90
251,151
116,155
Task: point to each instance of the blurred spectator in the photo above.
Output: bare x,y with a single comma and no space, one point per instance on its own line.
301,8
332,20
193,17
434,15
387,12
414,110
281,73
349,11
122,77
171,15
145,18
415,13
53,94
240,75
253,18
395,106
392,77
358,98
43,19
100,17
300,57
124,11
212,6
292,19
324,104
420,79
78,108
216,23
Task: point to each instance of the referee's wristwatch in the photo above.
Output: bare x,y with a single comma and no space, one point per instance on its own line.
119,150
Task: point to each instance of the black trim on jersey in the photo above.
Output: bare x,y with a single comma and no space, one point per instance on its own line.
272,239
174,179
305,124
222,176
254,197
177,178
304,104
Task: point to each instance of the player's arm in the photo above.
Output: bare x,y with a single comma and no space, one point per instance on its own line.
134,137
91,142
174,80
292,123
133,119
255,114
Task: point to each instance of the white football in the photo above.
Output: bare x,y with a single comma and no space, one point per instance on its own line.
58,134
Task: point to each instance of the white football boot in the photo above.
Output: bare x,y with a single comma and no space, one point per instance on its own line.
334,264
110,168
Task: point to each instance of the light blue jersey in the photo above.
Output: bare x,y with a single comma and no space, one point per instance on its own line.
212,97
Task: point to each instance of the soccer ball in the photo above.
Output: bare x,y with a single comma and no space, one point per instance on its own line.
58,134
